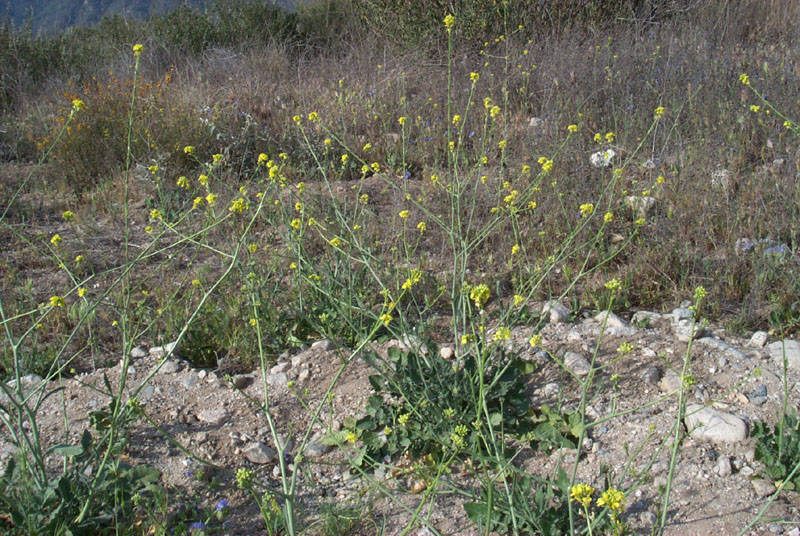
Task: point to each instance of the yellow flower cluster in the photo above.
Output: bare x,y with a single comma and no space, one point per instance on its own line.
479,294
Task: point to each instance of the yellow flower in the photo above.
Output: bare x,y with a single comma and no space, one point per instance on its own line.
608,217
211,199
283,156
153,169
195,282
532,205
456,119
502,334
239,205
296,223
526,169
466,339
660,179
582,493
403,419
68,215
755,108
387,319
699,293
515,249
313,116
156,214
744,79
298,207
501,144
375,167
474,77
787,124
586,209
610,136
367,147
182,182
547,165
137,49
189,149
345,158
613,285
148,229
335,242
56,301
198,201
613,498
598,137
480,295
293,266
402,120
262,159
297,119
56,240
639,222
487,102
327,142
449,21
494,111
422,226
403,214
535,340
572,128
252,248
311,222
77,105
659,112
203,180
81,292
216,158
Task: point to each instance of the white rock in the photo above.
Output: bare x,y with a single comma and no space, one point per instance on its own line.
709,424
558,312
213,416
602,159
535,122
792,349
723,467
170,367
641,205
446,353
137,352
324,345
577,363
685,331
615,326
260,453
763,487
278,381
681,313
283,366
670,382
758,339
645,318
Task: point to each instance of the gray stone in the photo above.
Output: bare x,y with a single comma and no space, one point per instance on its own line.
578,364
146,393
281,367
190,380
137,352
615,326
763,487
685,331
792,349
722,346
551,389
641,205
160,351
557,311
446,352
260,453
325,345
213,416
670,382
651,375
709,424
278,381
316,449
681,313
645,318
758,339
723,467
171,366
241,381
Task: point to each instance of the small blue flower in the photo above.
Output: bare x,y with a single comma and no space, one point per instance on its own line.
197,525
222,504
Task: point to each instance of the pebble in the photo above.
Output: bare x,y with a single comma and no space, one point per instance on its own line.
551,389
137,352
651,375
190,380
146,393
578,364
241,381
278,381
315,449
213,416
792,348
723,467
171,366
260,453
710,424
758,339
325,345
558,312
645,318
615,326
446,353
762,487
281,367
670,382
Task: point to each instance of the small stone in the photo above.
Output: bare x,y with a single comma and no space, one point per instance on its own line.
615,326
160,351
750,455
202,374
171,366
709,424
137,352
651,375
316,449
758,339
646,319
324,345
559,313
577,363
762,487
260,453
213,416
723,467
190,380
276,471
641,206
648,518
278,381
446,353
535,122
670,382
281,367
146,393
241,381
681,313
551,389
303,376
746,470
792,351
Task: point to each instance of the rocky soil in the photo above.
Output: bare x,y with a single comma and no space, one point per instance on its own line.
716,489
